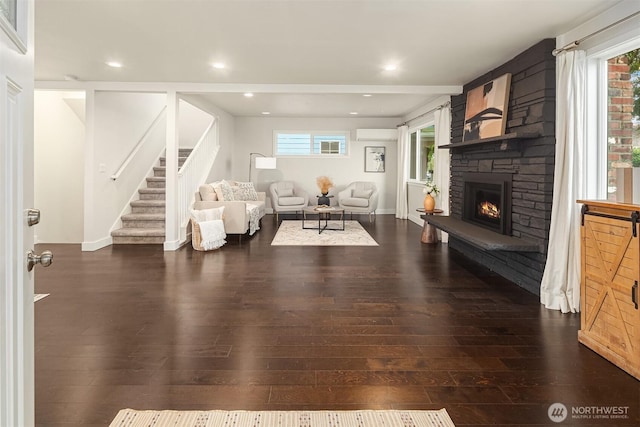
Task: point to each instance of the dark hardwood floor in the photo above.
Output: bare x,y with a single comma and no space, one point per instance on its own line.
400,326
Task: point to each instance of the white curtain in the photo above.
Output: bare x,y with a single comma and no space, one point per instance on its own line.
402,208
442,164
560,288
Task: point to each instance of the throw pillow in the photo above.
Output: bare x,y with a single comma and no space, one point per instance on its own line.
245,191
203,215
208,192
224,191
362,194
285,192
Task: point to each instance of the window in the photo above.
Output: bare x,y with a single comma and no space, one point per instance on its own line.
623,127
421,150
311,143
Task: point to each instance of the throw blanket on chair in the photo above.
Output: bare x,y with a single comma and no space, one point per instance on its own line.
213,234
254,218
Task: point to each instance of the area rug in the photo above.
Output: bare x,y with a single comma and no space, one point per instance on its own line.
291,233
368,418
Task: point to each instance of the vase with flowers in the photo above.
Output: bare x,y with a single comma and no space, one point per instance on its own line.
324,184
430,190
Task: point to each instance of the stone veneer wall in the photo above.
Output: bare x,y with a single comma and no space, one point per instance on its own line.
530,161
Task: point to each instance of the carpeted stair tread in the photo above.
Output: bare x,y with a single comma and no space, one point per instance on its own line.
181,160
138,232
147,203
157,179
143,217
152,193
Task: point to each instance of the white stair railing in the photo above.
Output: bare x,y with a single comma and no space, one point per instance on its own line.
193,172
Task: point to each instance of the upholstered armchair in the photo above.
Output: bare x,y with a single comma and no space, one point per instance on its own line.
359,197
287,196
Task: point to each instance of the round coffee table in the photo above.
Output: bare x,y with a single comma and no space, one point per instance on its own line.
429,232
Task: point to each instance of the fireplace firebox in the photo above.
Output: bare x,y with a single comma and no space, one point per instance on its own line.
487,201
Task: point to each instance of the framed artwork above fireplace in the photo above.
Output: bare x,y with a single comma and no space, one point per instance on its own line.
486,110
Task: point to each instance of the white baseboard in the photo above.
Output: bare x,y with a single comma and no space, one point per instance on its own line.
97,244
386,211
172,245
416,219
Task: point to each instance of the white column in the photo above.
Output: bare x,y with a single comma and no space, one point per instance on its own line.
172,231
90,235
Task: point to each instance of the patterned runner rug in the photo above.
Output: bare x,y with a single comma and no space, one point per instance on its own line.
369,418
290,233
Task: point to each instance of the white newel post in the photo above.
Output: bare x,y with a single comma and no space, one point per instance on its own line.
171,241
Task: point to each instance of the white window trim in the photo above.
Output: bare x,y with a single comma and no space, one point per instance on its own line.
412,129
345,133
596,148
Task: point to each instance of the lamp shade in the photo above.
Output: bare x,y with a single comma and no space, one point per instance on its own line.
265,162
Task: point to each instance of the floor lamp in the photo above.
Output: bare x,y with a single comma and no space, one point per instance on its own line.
262,162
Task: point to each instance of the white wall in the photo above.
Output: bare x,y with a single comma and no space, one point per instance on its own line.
255,134
192,122
116,122
59,133
226,135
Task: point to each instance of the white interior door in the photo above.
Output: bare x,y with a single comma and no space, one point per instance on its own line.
16,196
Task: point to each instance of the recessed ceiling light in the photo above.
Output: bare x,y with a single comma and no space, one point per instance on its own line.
354,113
248,95
390,67
114,64
266,113
219,65
367,95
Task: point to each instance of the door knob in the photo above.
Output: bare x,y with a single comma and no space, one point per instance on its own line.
45,259
33,217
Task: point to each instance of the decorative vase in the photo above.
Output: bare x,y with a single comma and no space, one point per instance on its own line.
429,203
324,200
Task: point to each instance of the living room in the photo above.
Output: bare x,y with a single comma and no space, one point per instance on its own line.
240,135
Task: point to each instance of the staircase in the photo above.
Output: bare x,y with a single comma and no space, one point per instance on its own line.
146,222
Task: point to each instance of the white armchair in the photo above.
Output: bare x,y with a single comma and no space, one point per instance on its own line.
359,197
287,196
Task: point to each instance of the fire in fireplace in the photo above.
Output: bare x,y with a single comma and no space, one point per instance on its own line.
489,210
487,201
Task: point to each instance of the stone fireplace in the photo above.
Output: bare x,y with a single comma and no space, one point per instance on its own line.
512,173
487,201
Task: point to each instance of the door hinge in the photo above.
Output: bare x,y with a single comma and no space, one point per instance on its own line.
583,211
634,294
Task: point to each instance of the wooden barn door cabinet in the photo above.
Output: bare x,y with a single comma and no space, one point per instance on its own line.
610,264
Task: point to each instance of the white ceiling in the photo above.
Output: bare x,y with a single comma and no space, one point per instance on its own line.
309,58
